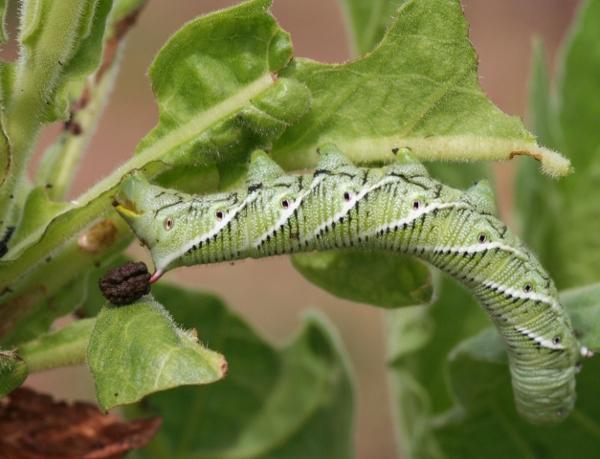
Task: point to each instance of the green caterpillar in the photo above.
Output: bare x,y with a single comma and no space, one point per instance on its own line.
398,207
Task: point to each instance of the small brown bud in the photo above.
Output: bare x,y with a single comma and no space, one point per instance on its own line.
125,284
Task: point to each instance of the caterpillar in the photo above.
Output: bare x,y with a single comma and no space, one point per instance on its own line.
398,207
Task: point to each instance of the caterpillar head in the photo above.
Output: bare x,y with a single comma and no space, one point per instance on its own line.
153,213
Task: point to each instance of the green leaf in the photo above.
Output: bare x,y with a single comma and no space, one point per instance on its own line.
560,220
64,347
13,372
60,44
49,286
219,97
367,20
38,210
138,349
419,340
418,89
41,317
453,388
384,279
59,164
578,113
583,305
3,11
486,424
294,402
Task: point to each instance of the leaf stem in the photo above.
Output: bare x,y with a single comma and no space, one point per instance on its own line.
63,157
98,195
65,347
36,75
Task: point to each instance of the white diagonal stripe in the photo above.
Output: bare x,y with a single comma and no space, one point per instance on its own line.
515,293
287,214
416,214
539,339
210,233
348,206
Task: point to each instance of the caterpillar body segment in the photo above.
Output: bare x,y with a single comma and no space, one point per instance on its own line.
398,207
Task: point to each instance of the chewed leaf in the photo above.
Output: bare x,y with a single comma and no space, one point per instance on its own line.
417,89
137,350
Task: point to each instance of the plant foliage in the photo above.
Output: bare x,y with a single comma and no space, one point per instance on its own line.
226,84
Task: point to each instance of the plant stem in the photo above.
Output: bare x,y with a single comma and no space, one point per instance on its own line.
65,347
96,200
63,157
28,294
36,74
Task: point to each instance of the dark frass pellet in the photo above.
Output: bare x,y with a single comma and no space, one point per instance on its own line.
125,284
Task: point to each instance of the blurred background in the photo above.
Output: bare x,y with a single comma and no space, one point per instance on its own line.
269,293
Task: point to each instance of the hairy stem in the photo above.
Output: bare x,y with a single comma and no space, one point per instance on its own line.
36,76
64,347
64,156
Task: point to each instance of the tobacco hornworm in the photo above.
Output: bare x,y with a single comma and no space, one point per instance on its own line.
398,207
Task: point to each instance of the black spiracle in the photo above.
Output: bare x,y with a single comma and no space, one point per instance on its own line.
125,284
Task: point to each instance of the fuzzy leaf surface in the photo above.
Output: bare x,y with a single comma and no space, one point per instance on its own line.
63,347
417,89
217,90
138,349
218,95
367,20
289,402
379,278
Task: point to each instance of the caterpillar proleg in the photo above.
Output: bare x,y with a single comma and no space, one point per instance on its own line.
398,207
